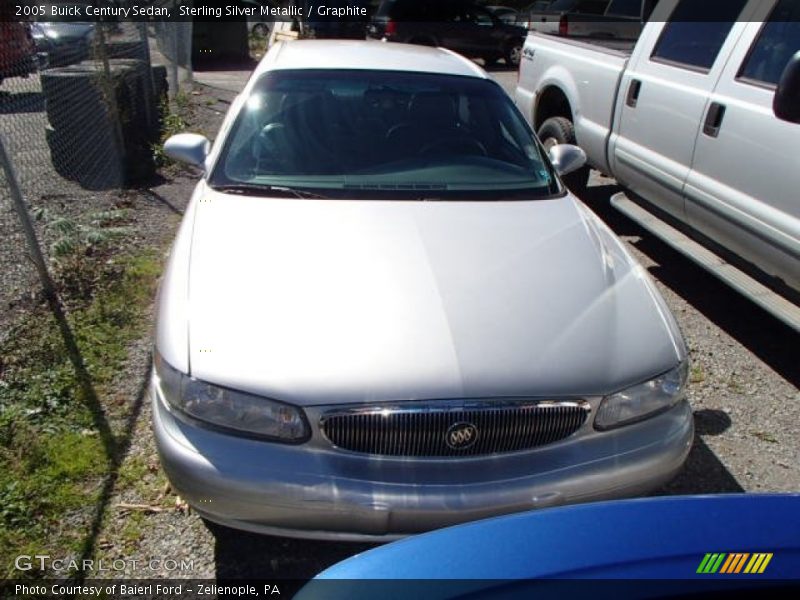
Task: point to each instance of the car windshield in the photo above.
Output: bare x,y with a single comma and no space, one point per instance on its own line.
375,134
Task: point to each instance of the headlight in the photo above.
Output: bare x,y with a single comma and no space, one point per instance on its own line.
643,400
223,407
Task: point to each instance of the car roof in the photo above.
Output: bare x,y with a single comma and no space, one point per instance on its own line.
368,55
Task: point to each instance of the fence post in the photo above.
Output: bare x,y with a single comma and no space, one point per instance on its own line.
173,65
148,78
27,226
110,91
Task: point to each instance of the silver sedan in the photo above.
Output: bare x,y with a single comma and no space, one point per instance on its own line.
384,313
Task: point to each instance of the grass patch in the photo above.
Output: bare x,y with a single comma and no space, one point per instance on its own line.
52,459
765,436
697,374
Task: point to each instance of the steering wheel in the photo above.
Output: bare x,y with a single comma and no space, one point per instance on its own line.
271,146
270,140
455,141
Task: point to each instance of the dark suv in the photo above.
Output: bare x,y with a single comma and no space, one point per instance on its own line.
459,25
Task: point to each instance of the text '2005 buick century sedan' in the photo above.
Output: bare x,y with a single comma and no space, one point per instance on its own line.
384,313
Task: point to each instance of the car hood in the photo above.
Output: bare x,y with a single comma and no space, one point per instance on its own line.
331,301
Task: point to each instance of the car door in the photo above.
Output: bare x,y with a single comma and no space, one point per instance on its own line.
663,95
743,188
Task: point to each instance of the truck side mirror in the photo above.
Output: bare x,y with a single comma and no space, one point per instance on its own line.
786,103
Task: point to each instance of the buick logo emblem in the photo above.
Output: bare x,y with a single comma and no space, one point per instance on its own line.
460,436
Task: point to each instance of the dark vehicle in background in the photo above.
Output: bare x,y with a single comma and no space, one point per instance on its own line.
506,14
457,25
619,19
345,27
17,50
63,43
63,40
510,16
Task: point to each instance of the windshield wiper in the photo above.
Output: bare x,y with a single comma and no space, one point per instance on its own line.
266,190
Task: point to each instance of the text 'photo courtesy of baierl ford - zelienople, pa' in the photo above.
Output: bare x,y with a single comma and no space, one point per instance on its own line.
370,299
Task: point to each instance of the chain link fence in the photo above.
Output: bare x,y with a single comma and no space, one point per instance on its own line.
81,112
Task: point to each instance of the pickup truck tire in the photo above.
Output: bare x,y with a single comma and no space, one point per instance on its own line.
560,130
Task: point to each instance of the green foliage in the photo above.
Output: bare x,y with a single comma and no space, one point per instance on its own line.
75,245
172,122
52,458
73,237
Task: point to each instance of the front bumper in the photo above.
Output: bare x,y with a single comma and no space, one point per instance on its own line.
311,491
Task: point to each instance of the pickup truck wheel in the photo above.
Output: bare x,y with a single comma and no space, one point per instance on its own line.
560,130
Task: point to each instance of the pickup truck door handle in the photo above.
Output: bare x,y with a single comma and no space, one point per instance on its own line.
716,112
633,93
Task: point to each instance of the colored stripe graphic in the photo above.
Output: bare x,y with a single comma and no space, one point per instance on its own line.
717,563
765,563
703,563
740,563
728,563
734,563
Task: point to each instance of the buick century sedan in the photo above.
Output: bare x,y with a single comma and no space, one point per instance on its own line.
384,313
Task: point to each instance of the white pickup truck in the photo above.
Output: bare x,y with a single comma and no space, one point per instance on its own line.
700,122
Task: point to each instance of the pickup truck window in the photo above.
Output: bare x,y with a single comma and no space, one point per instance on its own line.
696,32
775,45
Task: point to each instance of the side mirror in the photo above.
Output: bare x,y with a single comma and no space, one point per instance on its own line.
190,148
567,158
786,103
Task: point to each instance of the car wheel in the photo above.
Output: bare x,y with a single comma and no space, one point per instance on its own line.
560,130
260,29
513,54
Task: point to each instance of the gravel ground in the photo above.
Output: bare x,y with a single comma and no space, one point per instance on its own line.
744,392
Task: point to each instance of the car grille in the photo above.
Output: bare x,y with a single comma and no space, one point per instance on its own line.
453,429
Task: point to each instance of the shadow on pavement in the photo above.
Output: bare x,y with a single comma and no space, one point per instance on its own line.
22,102
214,64
242,555
703,472
758,331
498,67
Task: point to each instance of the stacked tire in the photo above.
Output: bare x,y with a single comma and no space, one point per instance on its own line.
99,134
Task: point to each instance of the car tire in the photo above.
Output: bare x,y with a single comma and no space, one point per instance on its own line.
260,29
560,130
513,53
